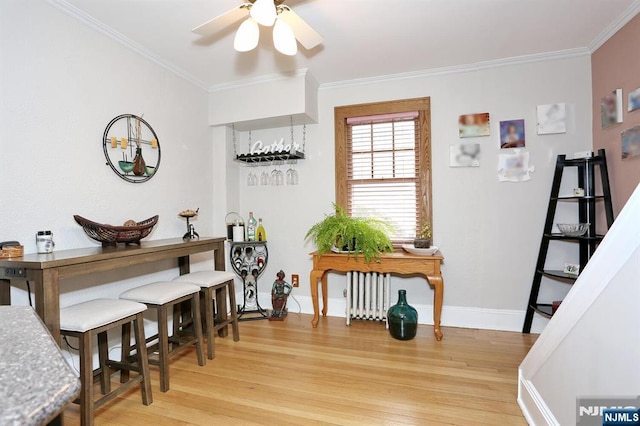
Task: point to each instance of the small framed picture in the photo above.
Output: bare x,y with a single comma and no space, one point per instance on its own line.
512,134
634,100
552,119
474,125
464,155
631,143
611,108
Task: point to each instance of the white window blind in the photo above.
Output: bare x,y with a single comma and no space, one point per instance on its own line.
382,175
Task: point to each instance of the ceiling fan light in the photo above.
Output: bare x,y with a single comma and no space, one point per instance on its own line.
247,36
264,12
283,38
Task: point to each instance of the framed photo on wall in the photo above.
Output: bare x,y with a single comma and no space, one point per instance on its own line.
634,100
464,155
631,143
611,109
512,134
474,125
552,119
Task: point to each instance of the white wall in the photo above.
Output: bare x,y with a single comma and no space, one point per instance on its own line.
489,232
591,346
61,83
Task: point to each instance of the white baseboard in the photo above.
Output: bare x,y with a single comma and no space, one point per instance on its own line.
533,407
452,316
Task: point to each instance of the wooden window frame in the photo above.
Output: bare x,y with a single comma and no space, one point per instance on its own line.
423,107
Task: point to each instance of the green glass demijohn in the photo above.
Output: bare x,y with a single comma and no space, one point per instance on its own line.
402,318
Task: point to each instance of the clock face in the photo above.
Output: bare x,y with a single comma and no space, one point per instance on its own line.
132,148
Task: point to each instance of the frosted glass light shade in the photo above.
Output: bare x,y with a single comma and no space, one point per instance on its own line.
283,38
247,36
264,12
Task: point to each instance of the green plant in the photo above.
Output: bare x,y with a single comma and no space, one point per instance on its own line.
425,232
366,235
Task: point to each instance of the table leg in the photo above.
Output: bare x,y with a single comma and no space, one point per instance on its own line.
314,276
218,257
183,265
46,291
221,309
438,289
325,294
5,292
182,310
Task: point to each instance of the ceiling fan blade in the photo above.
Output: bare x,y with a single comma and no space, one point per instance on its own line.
307,36
222,21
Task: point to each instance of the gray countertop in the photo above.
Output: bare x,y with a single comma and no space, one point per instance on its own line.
36,383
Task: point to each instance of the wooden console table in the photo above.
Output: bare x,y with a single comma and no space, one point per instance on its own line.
395,263
44,271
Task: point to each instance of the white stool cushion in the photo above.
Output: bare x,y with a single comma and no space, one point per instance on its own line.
207,278
160,292
95,313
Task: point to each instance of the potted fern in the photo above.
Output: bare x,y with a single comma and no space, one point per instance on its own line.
358,235
424,239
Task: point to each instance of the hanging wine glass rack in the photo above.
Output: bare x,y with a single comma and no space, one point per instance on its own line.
270,157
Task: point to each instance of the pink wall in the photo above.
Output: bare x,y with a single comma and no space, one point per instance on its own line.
616,65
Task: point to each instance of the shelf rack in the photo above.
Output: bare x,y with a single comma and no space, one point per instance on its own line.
587,243
270,157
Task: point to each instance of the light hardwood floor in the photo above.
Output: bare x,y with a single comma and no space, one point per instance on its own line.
287,373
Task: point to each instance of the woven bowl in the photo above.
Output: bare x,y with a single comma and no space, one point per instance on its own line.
573,229
110,235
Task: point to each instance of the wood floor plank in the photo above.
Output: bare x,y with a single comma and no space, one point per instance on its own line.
287,373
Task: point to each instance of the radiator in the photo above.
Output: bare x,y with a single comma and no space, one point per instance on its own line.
368,296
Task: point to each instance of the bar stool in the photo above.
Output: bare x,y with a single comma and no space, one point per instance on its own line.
161,296
95,317
214,285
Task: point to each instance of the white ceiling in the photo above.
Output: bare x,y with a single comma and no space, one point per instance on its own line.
362,38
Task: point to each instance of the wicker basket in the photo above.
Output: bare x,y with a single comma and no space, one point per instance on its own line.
8,252
110,235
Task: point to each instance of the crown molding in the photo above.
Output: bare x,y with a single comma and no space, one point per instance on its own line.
615,26
93,23
262,79
457,69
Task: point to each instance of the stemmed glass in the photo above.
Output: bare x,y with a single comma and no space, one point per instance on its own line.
252,178
264,178
292,174
277,176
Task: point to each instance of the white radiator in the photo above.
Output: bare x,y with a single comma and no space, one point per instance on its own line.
368,296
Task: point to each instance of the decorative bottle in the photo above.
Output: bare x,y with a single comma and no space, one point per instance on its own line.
402,318
139,167
261,235
252,224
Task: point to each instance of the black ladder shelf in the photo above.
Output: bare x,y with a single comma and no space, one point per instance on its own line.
588,242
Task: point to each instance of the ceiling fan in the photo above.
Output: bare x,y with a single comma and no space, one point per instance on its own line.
287,26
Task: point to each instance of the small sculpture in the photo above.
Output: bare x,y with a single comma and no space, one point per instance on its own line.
279,294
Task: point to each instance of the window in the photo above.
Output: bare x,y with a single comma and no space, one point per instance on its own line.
383,163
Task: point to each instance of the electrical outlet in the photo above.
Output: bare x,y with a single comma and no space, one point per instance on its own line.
295,280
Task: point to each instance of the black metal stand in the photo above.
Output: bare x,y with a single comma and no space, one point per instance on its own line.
248,261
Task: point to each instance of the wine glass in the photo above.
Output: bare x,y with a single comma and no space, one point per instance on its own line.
264,178
252,179
292,174
276,178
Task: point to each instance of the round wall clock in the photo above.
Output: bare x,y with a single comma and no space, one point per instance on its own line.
132,148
